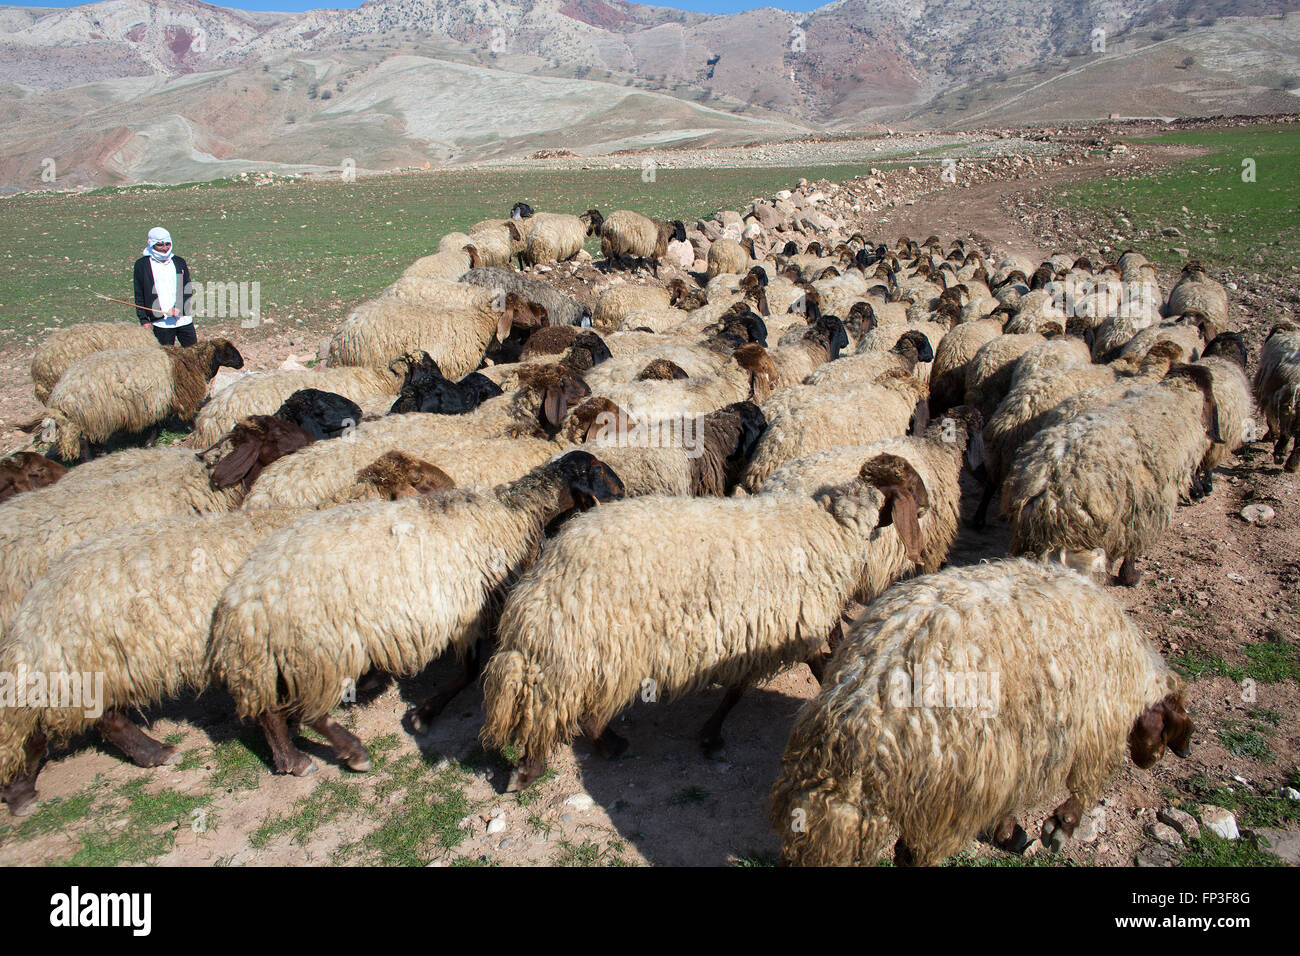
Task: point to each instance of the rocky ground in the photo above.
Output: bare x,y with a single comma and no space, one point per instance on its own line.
1220,595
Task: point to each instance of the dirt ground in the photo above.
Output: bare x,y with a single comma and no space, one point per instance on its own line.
1212,586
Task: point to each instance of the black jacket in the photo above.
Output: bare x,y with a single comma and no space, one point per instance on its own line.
146,297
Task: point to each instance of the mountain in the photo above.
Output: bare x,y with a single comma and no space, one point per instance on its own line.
125,90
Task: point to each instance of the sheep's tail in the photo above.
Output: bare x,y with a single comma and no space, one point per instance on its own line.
519,710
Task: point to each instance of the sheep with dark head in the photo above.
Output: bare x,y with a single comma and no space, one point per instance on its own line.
1053,682
27,471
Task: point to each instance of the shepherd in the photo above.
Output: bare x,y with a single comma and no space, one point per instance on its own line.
163,291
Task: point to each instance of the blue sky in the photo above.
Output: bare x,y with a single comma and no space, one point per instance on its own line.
699,6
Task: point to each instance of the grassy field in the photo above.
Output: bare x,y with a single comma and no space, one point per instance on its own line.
1223,219
317,247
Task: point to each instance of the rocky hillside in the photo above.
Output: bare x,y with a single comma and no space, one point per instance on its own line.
123,90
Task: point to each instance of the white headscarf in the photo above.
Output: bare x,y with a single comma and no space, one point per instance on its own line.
158,234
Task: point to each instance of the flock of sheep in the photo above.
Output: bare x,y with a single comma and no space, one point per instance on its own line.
684,486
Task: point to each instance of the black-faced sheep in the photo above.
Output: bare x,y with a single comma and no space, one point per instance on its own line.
560,309
130,391
319,413
426,389
556,237
290,644
966,696
594,620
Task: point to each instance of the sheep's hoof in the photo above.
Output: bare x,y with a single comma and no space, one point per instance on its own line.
418,726
21,804
160,757
1053,836
359,763
301,766
174,759
1017,842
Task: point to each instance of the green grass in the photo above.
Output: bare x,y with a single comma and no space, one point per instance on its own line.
1254,224
1251,809
148,823
241,763
325,803
1211,850
590,853
1267,662
317,248
755,860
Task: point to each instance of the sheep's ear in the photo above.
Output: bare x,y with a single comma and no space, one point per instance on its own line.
1163,724
553,406
231,470
905,498
513,231
503,324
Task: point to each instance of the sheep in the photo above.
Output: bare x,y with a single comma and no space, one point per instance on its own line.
130,390
134,606
629,235
693,359
953,354
810,419
1277,390
395,475
37,527
1225,357
593,621
701,456
1196,292
911,349
319,413
727,256
560,309
66,346
426,389
264,393
27,471
961,697
323,474
749,374
818,344
497,241
1045,376
379,332
619,301
438,293
556,237
1111,477
989,372
949,443
1191,333
450,263
255,442
288,644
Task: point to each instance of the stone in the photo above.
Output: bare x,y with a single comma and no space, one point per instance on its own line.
1256,513
496,825
730,217
1172,231
580,802
679,254
1165,834
1219,822
767,215
1180,820
1284,844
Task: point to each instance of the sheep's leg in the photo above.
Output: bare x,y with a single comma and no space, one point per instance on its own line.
902,855
534,766
1009,835
1293,462
286,757
1129,575
607,743
1060,825
118,729
422,717
817,664
347,745
1279,448
21,794
711,733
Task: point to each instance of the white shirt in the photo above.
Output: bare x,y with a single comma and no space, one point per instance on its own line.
164,284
